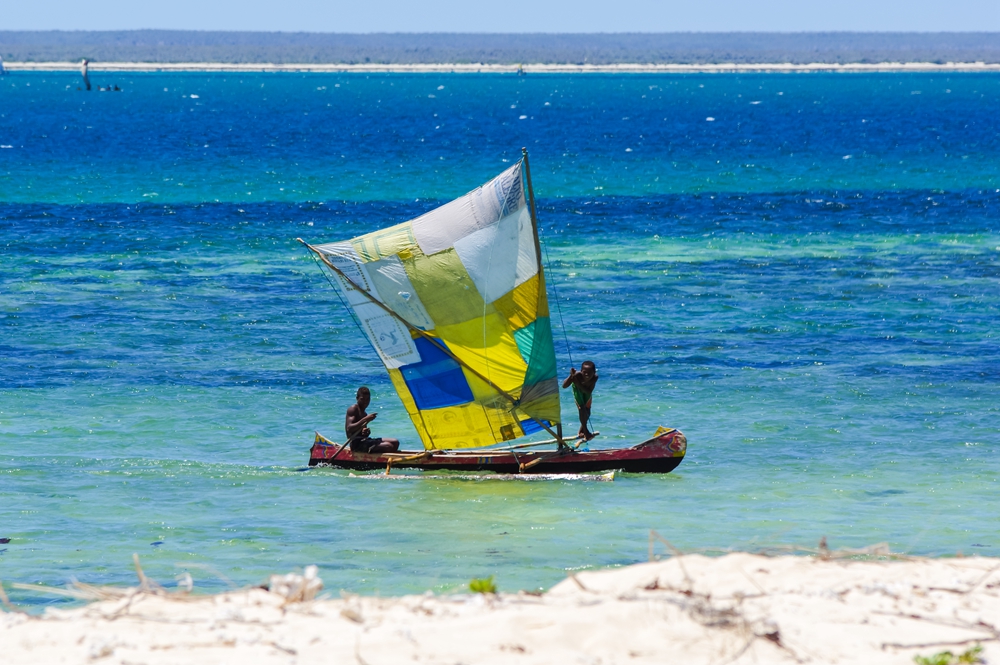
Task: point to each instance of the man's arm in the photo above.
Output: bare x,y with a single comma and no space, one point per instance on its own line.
353,424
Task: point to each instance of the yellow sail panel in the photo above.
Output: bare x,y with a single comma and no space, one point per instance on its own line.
476,364
387,242
461,426
524,303
411,407
488,348
469,425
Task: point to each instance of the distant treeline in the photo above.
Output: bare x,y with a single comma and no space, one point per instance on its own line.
409,48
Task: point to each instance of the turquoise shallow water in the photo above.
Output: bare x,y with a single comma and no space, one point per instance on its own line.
822,328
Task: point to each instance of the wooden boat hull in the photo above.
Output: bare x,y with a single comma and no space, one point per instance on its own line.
660,454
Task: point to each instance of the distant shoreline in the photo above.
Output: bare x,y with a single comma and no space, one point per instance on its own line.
463,68
314,51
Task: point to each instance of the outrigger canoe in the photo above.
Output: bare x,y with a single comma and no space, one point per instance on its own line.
454,304
660,454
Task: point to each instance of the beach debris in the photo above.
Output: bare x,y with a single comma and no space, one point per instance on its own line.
5,602
293,587
970,656
483,585
352,614
145,584
185,582
297,588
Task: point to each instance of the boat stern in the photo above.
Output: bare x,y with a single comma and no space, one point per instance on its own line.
322,450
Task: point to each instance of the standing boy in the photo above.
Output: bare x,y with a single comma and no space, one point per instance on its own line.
356,426
583,383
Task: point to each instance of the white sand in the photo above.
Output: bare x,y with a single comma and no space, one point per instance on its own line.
637,68
740,608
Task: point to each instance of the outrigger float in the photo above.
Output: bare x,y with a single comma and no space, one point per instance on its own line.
454,303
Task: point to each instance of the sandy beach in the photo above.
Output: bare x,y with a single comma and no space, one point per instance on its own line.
739,608
509,69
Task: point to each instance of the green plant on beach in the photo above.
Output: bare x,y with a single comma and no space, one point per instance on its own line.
484,585
970,656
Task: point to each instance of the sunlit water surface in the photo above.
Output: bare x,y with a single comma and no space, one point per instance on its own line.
806,285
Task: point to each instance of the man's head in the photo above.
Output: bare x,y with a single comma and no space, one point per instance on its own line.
588,368
364,396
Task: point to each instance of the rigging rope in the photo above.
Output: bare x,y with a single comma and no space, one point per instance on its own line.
555,292
562,324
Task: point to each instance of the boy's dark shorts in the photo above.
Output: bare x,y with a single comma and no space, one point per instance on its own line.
364,445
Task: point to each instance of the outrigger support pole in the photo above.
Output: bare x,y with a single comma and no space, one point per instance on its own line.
433,340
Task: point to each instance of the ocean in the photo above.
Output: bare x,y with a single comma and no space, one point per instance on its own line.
799,271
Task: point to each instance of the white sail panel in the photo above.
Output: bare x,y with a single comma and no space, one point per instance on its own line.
388,335
487,255
393,287
439,229
347,261
527,256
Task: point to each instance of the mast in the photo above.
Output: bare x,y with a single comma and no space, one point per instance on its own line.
534,214
538,254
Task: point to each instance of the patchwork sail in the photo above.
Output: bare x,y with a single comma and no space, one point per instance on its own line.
454,303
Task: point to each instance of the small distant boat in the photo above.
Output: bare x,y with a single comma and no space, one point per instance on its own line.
454,304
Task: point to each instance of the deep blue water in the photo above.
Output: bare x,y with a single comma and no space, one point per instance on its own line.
807,285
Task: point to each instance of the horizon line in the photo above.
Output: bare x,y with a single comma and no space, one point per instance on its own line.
557,32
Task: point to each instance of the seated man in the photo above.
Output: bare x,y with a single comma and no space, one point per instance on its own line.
583,383
357,430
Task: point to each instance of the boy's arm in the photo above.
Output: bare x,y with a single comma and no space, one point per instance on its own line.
569,379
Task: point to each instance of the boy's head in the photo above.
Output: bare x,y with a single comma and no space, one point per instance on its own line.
364,396
588,368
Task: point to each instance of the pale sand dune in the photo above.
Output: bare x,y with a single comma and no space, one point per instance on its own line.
637,68
740,608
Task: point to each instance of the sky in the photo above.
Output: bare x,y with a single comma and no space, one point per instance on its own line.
508,16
